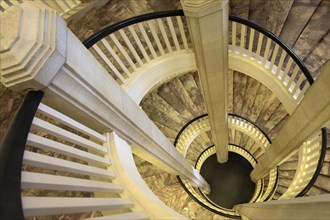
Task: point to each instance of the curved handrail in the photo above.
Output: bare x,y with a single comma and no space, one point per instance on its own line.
246,151
260,186
110,29
11,157
198,158
275,185
186,125
229,114
115,27
319,165
205,205
231,147
279,41
254,124
125,66
255,160
202,204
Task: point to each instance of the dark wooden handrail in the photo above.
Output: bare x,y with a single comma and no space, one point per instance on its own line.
11,157
134,20
319,165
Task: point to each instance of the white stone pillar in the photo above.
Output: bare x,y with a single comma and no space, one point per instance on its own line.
208,27
311,207
311,114
39,52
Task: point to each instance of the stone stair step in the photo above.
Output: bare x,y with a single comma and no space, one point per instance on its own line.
316,191
322,182
318,22
188,81
291,165
316,59
240,8
297,19
325,169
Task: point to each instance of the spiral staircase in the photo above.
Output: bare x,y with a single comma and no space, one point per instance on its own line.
176,102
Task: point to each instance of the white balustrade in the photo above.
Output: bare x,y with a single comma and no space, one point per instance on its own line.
232,148
270,191
309,154
202,125
238,123
131,54
257,191
65,157
263,59
206,202
130,179
190,133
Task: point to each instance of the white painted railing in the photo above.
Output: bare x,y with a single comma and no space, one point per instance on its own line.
206,154
271,187
194,192
141,54
232,148
144,54
129,177
202,125
240,124
309,154
243,153
262,58
257,191
70,168
190,132
68,9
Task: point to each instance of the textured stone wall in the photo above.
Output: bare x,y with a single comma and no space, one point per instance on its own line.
9,104
115,11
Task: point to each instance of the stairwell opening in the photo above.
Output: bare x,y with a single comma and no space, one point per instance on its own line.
230,182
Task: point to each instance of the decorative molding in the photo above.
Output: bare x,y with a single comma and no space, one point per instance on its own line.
200,8
33,46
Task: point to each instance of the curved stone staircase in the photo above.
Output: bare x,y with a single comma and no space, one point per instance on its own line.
177,101
174,103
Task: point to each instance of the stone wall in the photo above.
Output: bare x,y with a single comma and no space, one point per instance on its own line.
9,104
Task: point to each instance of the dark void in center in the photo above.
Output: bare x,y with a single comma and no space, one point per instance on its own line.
230,182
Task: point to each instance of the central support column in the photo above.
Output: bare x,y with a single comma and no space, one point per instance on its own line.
208,26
